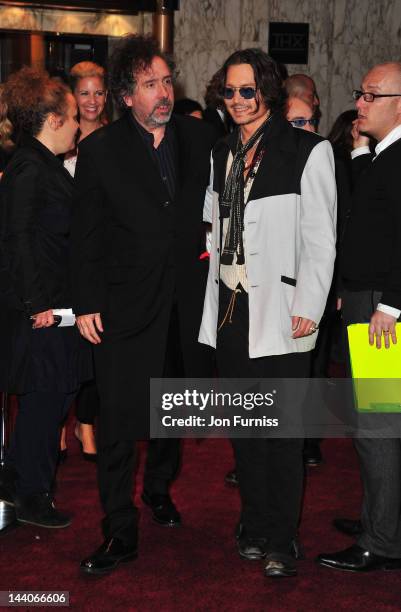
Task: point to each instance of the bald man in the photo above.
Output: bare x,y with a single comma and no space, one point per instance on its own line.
303,86
300,114
371,275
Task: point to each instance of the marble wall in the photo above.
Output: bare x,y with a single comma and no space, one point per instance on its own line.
68,22
346,38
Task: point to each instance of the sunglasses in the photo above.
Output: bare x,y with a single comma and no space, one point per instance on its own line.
245,92
302,122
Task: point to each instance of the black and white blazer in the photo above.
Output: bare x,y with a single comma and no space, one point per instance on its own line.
290,236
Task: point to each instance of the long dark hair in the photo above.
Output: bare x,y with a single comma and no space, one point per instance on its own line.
340,133
268,78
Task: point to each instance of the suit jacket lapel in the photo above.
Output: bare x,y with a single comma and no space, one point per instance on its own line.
221,152
279,149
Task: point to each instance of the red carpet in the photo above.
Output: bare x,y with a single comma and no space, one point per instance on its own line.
197,567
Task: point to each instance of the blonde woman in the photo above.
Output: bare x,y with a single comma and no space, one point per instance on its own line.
88,83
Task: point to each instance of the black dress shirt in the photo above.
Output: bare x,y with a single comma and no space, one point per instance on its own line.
165,156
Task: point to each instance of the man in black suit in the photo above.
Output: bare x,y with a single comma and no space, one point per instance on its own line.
371,273
139,279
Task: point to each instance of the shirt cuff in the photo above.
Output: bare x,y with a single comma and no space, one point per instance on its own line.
394,312
360,151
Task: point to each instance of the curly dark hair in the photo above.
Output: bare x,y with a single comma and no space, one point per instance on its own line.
31,95
133,54
268,79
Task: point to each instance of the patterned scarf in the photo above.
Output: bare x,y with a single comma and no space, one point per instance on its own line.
232,203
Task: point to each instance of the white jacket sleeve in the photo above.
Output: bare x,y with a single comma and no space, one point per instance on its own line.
318,219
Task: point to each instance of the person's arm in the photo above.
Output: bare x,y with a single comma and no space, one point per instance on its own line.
318,239
24,196
384,318
361,155
88,248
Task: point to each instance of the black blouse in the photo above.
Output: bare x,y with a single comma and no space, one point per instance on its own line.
36,194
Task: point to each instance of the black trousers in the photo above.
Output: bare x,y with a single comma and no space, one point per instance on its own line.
34,446
380,459
87,403
270,471
116,462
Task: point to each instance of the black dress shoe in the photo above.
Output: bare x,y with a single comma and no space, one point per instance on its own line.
348,526
163,509
40,510
106,558
357,559
312,453
92,457
252,549
297,550
231,478
279,565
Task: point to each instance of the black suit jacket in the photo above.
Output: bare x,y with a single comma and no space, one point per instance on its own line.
135,252
371,251
221,128
35,217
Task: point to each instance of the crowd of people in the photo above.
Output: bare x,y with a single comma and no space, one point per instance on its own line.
200,242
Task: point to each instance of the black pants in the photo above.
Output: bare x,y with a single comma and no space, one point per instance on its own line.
380,459
270,471
34,447
87,403
116,462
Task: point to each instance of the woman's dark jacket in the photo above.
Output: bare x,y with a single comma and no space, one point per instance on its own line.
35,212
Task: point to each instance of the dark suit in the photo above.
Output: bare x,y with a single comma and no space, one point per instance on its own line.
221,126
136,261
43,366
371,273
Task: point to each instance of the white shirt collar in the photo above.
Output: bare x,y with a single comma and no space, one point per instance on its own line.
391,137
